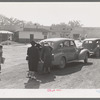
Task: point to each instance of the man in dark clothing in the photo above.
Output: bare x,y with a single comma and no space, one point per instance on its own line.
46,56
1,52
33,58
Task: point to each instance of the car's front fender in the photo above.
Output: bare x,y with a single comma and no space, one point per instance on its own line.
82,54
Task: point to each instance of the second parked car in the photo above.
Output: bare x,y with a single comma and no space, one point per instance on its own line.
93,45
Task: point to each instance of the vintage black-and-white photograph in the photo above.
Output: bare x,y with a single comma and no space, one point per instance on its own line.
53,45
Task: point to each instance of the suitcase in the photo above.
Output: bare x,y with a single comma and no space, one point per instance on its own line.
40,66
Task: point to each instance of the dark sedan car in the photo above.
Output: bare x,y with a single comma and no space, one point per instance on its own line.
93,45
65,50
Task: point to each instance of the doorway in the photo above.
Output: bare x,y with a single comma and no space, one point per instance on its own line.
31,37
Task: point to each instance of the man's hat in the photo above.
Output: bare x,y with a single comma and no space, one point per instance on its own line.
33,42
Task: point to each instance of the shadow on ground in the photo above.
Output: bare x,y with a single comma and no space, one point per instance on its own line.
40,79
71,68
32,84
45,78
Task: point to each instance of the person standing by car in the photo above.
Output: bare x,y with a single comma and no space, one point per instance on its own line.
33,59
1,52
46,57
38,46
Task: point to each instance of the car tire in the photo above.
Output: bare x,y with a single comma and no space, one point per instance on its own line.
86,58
97,54
62,63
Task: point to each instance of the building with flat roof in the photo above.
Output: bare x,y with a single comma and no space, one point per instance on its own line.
29,34
5,35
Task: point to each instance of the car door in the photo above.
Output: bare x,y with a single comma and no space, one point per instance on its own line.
96,46
73,50
66,49
63,50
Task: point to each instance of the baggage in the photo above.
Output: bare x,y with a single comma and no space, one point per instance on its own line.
40,66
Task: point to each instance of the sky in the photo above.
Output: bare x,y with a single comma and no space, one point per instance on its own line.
48,13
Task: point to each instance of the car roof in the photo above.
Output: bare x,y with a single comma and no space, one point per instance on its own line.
93,39
55,39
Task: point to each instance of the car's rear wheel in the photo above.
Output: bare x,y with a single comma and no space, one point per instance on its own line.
62,63
86,58
97,54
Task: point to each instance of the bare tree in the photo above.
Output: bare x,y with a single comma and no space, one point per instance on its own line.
74,24
10,21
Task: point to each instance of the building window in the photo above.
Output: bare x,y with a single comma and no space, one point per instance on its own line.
45,36
31,37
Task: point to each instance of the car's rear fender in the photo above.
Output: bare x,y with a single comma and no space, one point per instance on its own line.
83,53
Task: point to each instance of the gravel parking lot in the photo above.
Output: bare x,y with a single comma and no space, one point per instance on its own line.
76,75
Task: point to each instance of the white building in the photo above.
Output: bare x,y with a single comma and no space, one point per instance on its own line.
29,34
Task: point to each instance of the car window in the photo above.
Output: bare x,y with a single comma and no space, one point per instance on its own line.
98,42
88,42
61,45
72,43
66,44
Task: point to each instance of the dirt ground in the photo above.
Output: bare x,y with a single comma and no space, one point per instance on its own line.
76,75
